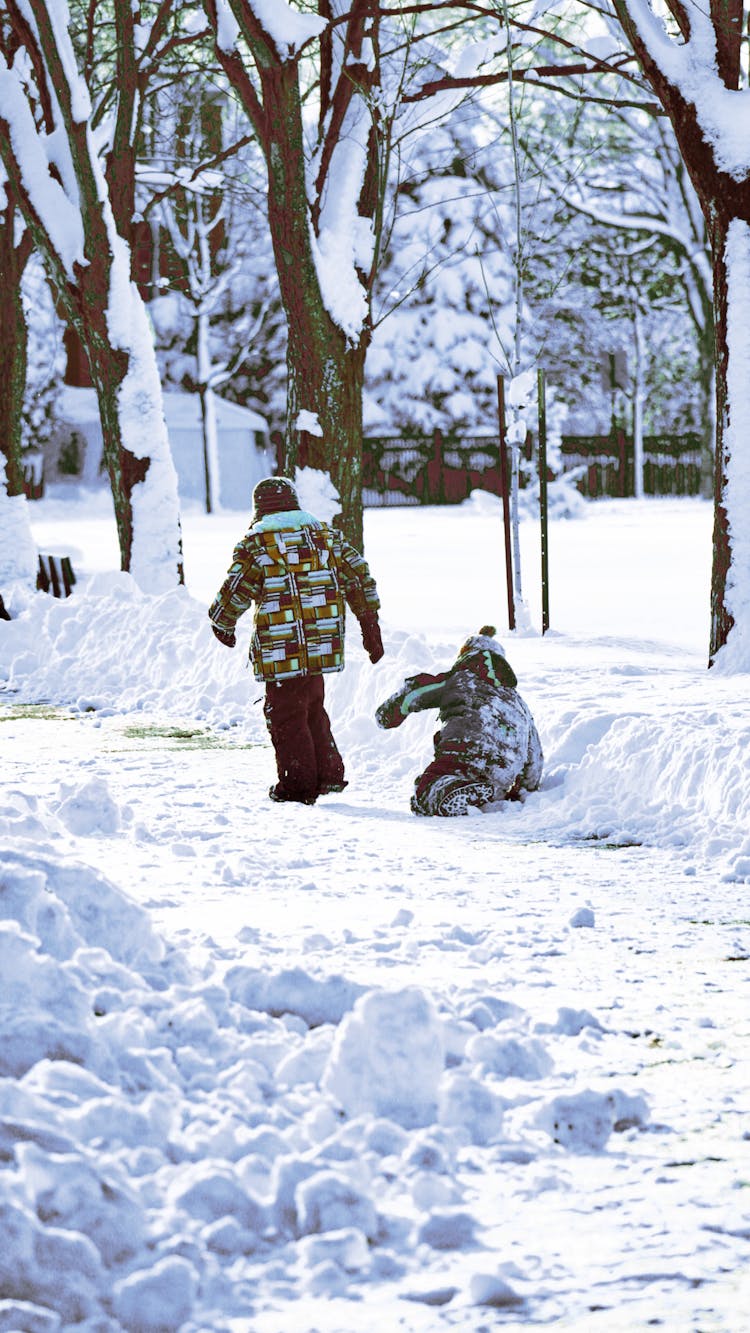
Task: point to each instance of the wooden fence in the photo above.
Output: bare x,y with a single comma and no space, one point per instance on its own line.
671,464
445,470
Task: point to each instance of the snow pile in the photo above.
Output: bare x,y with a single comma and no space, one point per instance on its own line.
165,1128
388,1057
19,560
671,772
564,501
670,780
112,646
341,1057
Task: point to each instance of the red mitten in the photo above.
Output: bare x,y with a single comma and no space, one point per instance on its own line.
227,637
371,637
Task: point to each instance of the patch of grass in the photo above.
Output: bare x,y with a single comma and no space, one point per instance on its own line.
182,738
606,845
41,712
730,921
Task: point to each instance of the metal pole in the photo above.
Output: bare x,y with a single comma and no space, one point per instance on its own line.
503,455
543,498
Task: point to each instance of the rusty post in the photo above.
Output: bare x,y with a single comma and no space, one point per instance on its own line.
503,458
543,497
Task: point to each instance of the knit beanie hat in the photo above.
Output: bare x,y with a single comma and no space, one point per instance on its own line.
273,495
497,667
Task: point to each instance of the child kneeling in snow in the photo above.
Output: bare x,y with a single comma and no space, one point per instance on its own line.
488,748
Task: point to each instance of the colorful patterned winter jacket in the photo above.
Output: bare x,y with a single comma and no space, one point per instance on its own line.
300,574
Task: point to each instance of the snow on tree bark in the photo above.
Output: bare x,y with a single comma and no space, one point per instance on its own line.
18,552
697,77
60,188
732,611
14,255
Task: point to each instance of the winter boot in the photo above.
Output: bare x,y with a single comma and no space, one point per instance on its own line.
327,788
277,793
451,796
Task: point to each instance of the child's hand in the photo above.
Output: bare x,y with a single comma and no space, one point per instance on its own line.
227,637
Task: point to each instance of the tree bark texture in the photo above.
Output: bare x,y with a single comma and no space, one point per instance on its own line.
13,259
334,392
730,565
325,373
723,201
122,158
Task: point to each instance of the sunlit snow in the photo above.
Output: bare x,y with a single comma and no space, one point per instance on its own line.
341,1068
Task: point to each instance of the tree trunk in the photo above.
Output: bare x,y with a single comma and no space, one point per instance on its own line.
125,377
725,202
211,463
109,366
328,378
639,394
706,377
121,160
18,552
730,576
325,369
707,401
13,259
325,372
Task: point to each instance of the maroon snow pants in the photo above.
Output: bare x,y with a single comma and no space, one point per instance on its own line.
307,759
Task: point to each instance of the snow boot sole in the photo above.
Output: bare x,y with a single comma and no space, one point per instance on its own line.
458,801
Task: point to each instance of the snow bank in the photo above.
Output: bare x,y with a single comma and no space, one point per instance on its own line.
18,553
379,1060
159,1126
112,646
669,778
671,772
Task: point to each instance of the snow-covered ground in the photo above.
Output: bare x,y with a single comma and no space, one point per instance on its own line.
276,1069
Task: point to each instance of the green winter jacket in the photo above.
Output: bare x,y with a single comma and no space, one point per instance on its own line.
300,574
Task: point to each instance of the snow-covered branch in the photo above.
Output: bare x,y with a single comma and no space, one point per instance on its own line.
701,66
39,163
281,30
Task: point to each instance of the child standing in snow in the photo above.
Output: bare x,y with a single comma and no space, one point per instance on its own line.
300,573
488,748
